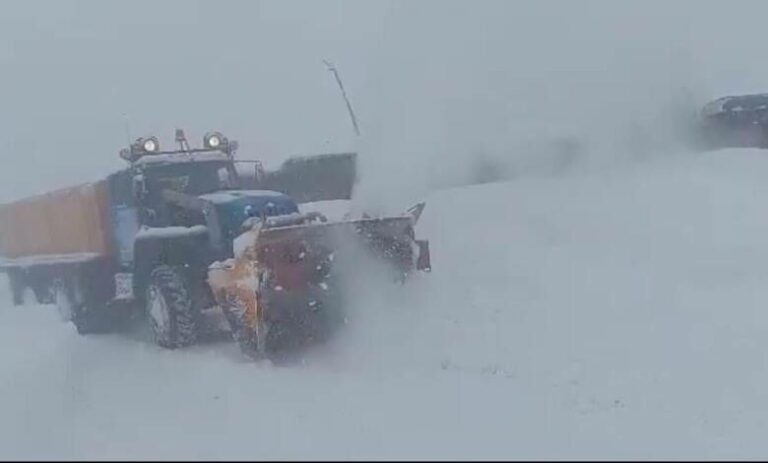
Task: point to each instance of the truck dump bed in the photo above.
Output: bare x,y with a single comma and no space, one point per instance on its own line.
57,225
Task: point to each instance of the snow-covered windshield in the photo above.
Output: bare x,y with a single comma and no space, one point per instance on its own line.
194,178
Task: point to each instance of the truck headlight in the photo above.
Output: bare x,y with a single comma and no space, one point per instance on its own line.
214,140
151,145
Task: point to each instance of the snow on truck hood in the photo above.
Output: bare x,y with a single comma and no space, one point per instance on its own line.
170,232
220,197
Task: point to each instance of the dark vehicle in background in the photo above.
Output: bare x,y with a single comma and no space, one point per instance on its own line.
733,122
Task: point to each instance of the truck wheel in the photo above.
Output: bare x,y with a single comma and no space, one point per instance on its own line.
16,283
43,296
71,308
251,344
169,308
65,304
42,290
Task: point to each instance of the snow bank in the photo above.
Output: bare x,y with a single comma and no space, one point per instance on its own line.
614,314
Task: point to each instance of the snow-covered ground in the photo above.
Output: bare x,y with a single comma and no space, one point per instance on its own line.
620,313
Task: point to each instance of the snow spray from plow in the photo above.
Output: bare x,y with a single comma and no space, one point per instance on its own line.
283,289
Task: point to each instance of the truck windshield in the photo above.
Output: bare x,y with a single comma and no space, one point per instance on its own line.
193,178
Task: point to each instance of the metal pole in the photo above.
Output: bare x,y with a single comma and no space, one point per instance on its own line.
332,68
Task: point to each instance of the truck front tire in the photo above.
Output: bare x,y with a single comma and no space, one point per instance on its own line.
172,316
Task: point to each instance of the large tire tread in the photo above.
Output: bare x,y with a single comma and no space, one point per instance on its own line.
184,320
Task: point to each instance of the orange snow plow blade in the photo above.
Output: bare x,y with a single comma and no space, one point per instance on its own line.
281,290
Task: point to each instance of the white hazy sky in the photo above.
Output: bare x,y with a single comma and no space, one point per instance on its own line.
430,80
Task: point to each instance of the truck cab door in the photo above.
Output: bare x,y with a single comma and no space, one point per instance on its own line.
124,216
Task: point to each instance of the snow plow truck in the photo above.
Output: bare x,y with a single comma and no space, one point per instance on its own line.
181,231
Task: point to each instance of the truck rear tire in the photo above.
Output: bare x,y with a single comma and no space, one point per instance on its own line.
41,286
172,316
64,300
16,284
69,302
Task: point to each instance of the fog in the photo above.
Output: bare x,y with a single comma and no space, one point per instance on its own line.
433,82
611,307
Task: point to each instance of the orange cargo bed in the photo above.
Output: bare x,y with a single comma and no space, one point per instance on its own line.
65,222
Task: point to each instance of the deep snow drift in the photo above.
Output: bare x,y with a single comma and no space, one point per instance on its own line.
604,314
